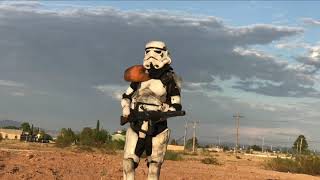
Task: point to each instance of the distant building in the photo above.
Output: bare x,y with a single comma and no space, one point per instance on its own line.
175,148
11,133
118,136
215,149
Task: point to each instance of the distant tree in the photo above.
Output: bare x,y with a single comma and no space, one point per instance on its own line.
102,137
86,136
31,130
98,126
189,143
66,137
173,142
300,144
37,131
47,137
44,136
25,126
225,148
124,132
255,148
10,127
91,137
118,144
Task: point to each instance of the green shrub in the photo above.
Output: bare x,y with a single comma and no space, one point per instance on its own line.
211,160
93,137
114,145
86,137
66,138
305,164
118,144
174,156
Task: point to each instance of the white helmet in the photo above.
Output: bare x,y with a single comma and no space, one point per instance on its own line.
156,54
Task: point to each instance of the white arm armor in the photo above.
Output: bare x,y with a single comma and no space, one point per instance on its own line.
126,101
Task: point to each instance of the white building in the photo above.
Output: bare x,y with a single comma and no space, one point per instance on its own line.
11,133
118,136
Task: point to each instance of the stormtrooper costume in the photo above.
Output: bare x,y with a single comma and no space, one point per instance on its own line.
161,92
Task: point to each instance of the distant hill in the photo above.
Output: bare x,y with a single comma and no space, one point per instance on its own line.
4,123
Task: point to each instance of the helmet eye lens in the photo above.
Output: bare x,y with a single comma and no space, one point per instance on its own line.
157,51
147,51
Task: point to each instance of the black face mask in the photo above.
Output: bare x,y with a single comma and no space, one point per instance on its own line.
156,73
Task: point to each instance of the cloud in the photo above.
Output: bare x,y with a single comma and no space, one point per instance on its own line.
201,87
310,21
292,82
17,94
256,132
114,91
94,45
292,45
22,4
8,83
14,88
311,58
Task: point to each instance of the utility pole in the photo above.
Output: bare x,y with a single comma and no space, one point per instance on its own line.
185,134
288,145
194,135
300,144
237,120
262,143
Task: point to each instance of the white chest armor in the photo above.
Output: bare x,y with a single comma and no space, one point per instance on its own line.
151,92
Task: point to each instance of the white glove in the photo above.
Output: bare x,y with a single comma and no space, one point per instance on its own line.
125,104
125,111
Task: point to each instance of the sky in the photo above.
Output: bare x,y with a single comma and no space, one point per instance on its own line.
62,64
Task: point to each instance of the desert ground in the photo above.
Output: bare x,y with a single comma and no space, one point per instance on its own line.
19,160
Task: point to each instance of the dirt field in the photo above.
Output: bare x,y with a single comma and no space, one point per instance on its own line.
35,161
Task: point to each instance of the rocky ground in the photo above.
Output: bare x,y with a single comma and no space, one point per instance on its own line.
37,163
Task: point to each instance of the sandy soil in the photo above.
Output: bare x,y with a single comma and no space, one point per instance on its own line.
46,162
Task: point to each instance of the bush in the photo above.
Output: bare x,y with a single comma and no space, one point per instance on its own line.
102,136
118,144
1,137
66,138
93,137
86,137
174,156
114,145
211,160
254,148
300,164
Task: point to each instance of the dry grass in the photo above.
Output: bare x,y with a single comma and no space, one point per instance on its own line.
306,164
174,156
212,160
